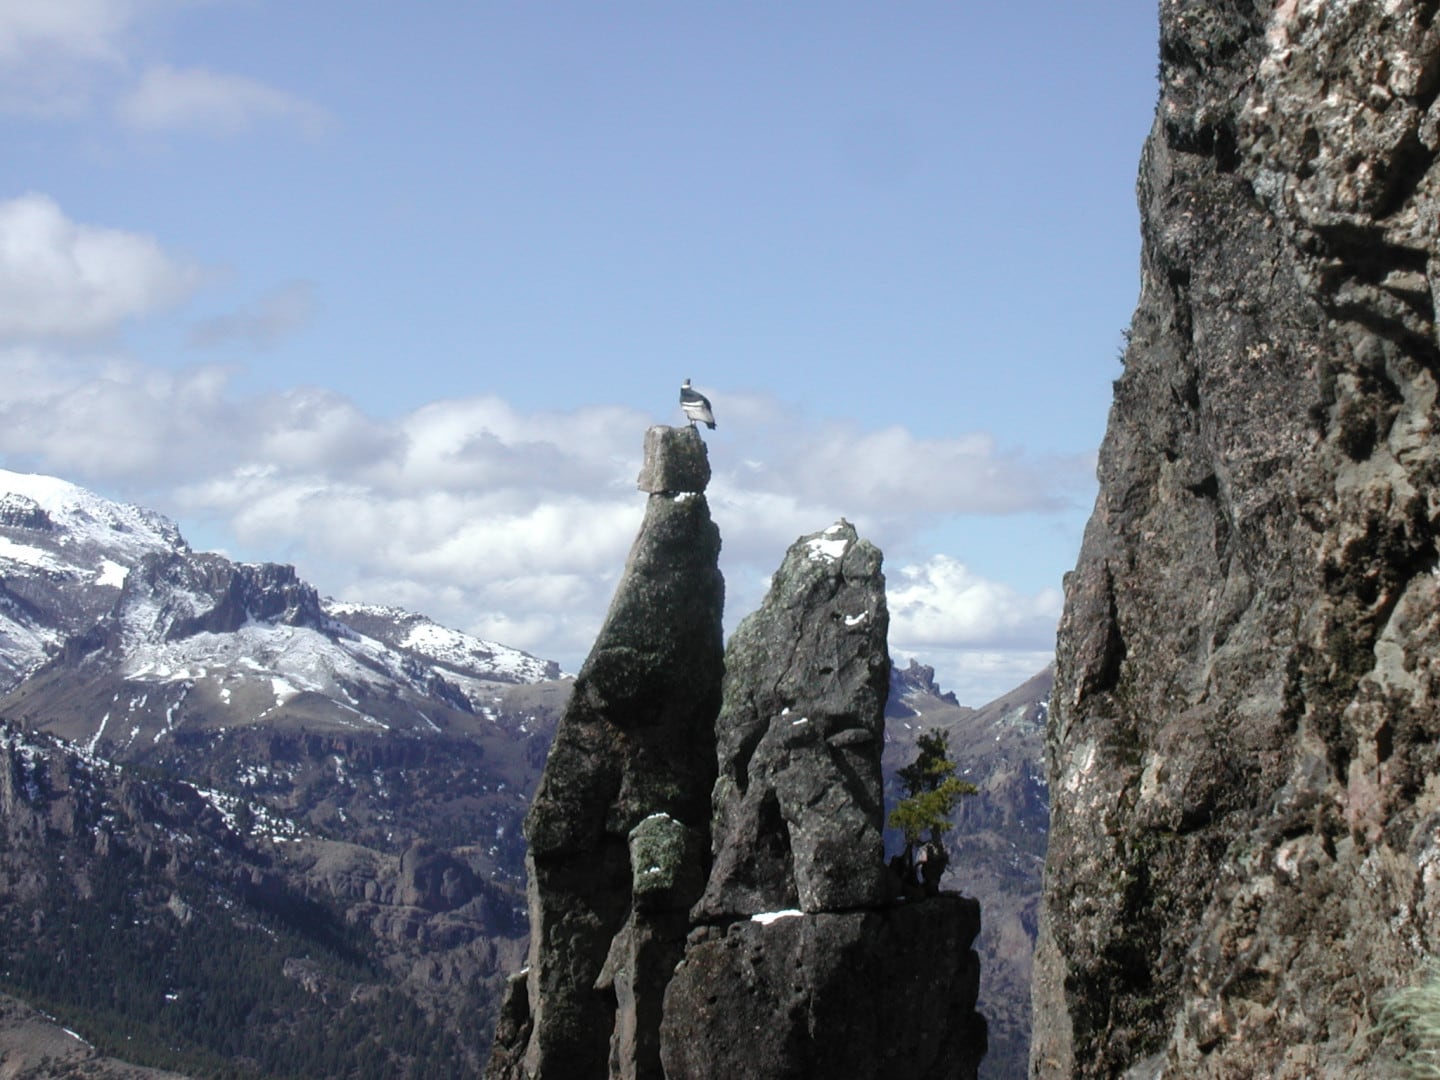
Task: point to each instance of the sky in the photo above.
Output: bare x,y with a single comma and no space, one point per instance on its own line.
392,291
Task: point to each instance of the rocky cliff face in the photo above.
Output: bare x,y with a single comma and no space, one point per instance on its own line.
1244,727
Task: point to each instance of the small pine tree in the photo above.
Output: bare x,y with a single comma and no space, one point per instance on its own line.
931,793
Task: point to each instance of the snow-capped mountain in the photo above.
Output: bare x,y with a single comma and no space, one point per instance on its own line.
64,556
202,759
113,633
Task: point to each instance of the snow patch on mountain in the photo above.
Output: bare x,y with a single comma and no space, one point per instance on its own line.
29,555
465,656
111,573
294,658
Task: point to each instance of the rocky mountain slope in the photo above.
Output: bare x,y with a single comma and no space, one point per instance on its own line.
318,804
1244,736
205,761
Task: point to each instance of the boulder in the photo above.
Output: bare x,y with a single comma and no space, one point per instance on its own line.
675,461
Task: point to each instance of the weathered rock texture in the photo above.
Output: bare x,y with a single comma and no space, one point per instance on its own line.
1244,738
619,828
864,995
846,982
799,806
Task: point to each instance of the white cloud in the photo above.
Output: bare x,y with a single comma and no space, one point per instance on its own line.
278,314
61,57
941,602
891,467
212,103
982,637
507,523
109,420
86,28
63,279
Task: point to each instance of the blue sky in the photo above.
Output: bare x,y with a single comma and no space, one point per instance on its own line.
392,291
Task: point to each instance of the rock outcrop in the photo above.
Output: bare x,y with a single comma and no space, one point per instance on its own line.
1245,726
802,963
619,827
767,940
799,806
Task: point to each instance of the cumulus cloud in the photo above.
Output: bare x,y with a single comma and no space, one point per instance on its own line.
509,523
212,103
866,471
109,420
273,317
981,636
941,601
63,279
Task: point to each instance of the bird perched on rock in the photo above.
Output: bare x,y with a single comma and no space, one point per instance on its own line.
696,406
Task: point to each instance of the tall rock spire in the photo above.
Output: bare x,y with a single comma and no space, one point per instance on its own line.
798,959
619,828
799,805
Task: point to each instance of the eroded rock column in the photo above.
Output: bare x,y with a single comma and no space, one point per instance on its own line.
619,830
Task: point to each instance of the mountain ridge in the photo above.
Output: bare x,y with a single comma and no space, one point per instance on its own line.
355,768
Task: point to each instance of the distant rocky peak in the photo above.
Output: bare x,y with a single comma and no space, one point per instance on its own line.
83,519
176,597
22,512
918,678
429,643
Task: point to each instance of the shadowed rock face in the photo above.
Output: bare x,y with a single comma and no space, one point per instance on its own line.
798,804
1244,723
867,994
619,827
